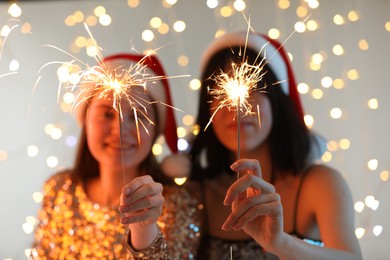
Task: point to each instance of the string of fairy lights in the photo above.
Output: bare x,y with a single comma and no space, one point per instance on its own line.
157,26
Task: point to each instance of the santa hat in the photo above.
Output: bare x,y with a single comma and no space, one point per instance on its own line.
271,50
159,91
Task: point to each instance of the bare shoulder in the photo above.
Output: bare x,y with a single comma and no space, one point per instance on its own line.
322,177
326,184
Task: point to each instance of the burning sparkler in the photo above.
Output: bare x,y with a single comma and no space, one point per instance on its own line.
119,83
234,88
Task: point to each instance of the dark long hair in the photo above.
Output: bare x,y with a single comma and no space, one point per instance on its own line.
87,167
289,139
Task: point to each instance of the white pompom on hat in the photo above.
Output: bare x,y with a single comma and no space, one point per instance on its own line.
159,92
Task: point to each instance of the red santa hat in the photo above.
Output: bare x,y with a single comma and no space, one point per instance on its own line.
159,91
271,50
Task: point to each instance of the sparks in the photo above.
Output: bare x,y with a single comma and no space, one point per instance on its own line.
233,89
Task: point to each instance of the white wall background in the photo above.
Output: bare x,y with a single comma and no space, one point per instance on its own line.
367,129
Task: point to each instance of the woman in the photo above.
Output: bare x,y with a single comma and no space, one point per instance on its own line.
282,198
79,218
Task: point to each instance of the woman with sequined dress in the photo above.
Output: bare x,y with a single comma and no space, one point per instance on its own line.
283,205
107,206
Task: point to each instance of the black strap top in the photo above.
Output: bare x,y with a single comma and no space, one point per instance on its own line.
216,248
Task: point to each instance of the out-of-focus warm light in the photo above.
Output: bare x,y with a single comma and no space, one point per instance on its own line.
317,58
303,88
68,97
359,206
384,175
317,93
52,161
171,2
92,51
338,19
14,10
5,30
195,129
26,28
239,5
14,65
359,232
312,25
78,16
226,11
284,4
183,60
133,3
274,33
105,20
338,50
69,20
212,3
387,26
353,74
315,66
157,149
195,84
344,144
99,11
363,45
336,113
91,20
327,82
338,83
301,11
181,132
28,228
180,181
372,164
163,29
353,16
332,146
155,22
309,120
188,120
48,128
3,155
377,230
313,4
32,150
182,144
37,197
56,133
300,27
326,157
373,103
219,33
179,26
147,35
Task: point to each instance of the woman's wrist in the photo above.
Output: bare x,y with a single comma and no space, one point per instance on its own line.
141,237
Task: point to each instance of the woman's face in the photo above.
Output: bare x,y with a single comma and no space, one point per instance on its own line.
252,135
103,130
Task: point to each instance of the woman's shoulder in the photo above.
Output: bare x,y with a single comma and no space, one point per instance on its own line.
324,183
322,174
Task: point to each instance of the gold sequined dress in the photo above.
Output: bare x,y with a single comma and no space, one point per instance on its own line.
71,226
